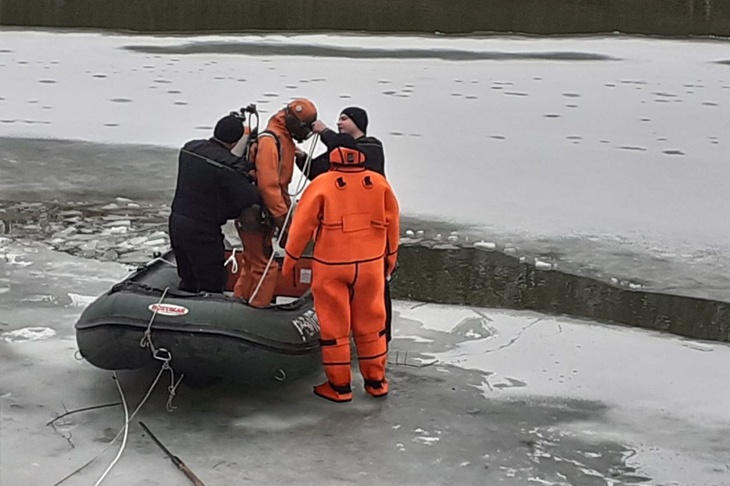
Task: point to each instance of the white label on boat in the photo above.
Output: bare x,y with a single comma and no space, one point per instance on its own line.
168,309
307,324
305,275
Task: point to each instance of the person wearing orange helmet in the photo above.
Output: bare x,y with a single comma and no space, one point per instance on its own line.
273,170
352,215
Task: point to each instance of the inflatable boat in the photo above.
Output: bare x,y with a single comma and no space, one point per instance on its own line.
145,319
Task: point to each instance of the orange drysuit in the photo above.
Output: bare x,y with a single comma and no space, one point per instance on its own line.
274,167
352,214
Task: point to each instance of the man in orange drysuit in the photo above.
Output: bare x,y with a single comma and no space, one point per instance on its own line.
352,214
273,166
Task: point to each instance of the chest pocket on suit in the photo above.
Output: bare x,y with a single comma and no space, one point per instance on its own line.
355,222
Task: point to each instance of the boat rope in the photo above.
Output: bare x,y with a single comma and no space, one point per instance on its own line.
136,410
232,260
85,409
172,264
125,428
160,259
161,354
261,280
301,184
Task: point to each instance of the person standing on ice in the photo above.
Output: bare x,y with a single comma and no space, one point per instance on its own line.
352,121
212,187
352,215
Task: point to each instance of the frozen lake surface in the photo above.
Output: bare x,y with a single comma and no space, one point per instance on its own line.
602,156
606,155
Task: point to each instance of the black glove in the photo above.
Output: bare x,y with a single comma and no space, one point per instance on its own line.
301,159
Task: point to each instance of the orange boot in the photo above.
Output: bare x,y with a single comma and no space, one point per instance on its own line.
377,389
334,393
336,361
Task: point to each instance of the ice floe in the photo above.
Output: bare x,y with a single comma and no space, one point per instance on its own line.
28,334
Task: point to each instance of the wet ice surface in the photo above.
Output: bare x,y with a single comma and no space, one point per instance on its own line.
599,156
478,396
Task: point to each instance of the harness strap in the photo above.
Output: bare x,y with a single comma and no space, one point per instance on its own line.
206,159
377,384
340,224
341,389
250,165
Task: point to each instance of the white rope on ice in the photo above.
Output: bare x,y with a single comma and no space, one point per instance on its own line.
125,428
136,410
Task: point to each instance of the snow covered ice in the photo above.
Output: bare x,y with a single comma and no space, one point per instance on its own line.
581,144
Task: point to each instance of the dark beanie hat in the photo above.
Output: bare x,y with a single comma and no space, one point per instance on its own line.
229,129
358,116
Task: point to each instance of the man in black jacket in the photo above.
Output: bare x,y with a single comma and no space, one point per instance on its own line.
353,121
212,187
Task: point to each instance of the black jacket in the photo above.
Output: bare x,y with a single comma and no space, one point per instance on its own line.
370,146
211,185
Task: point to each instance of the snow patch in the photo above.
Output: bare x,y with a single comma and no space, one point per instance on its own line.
415,339
78,300
28,334
485,245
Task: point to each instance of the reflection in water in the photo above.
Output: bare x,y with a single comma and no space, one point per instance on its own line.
663,17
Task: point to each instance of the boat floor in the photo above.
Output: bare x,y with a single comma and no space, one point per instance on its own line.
162,273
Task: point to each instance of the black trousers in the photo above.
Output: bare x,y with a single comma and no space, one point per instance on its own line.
388,313
199,253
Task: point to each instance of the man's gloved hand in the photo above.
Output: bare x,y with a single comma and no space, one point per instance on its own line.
287,269
300,158
318,126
